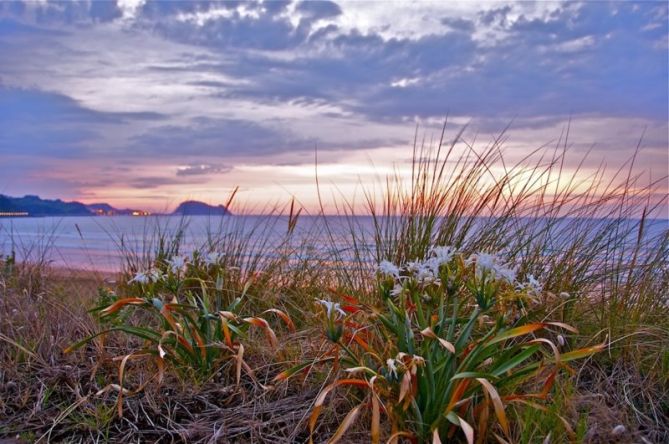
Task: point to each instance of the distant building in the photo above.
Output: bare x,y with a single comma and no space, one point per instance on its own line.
14,214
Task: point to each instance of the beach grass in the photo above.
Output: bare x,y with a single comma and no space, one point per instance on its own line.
230,344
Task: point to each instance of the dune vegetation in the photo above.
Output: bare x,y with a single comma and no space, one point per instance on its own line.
521,306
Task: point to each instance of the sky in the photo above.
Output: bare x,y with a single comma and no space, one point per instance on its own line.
143,104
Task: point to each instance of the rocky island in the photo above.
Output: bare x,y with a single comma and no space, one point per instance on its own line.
197,208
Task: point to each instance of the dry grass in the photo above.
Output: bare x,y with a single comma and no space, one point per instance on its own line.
593,244
48,396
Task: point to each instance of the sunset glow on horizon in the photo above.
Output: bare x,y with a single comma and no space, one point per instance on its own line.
144,104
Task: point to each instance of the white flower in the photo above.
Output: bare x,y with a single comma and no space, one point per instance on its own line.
422,272
491,264
212,258
331,307
155,275
388,268
533,283
397,290
392,367
140,277
177,263
440,256
482,260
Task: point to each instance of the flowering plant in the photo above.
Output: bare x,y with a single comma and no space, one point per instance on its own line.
186,329
447,348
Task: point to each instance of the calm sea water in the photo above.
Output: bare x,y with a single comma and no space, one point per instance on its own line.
96,242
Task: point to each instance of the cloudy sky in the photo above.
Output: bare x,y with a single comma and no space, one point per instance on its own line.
144,103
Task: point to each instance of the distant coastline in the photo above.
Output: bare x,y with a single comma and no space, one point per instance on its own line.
34,206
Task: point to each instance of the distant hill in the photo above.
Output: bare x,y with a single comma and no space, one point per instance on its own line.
30,205
34,206
196,208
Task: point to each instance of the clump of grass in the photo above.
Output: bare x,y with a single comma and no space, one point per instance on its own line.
27,259
444,350
593,240
198,331
596,240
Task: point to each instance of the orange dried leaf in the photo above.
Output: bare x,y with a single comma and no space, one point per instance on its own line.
361,342
518,331
269,333
563,325
240,360
497,404
429,333
582,352
376,420
116,306
346,424
550,343
457,394
318,405
160,363
467,429
284,317
165,311
121,371
405,386
226,332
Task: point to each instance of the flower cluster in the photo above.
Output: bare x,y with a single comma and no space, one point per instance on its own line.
492,266
532,286
425,272
403,362
147,277
175,265
489,271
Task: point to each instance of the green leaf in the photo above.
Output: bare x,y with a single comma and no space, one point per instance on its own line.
143,333
515,361
472,375
517,331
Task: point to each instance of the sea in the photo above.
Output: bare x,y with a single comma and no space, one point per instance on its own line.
100,242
